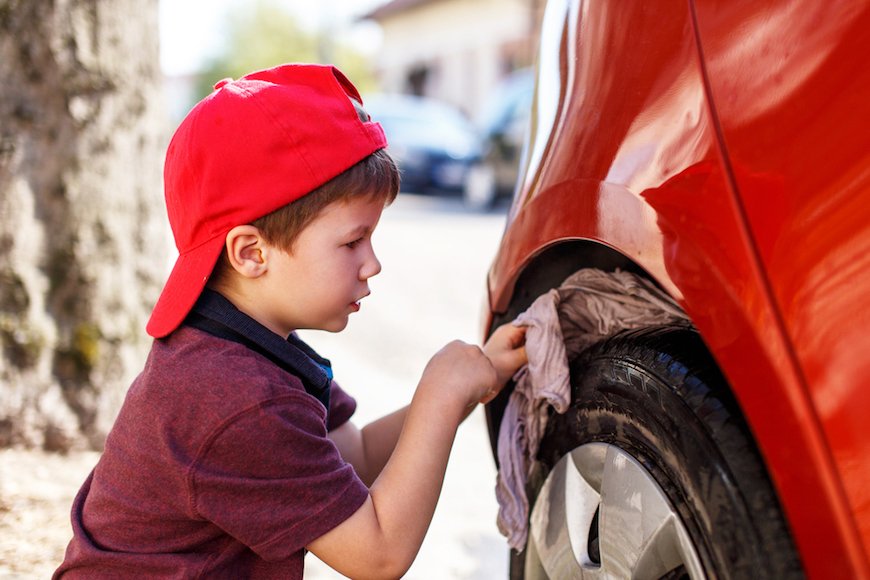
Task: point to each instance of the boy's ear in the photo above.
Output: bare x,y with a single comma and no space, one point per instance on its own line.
245,251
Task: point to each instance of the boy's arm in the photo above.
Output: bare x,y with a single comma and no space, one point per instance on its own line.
382,538
368,449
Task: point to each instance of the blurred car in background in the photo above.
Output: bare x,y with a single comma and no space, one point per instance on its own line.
503,126
720,150
432,142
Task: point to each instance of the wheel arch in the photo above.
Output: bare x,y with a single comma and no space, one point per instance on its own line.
546,270
549,267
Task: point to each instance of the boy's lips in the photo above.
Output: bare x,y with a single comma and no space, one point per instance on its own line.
356,303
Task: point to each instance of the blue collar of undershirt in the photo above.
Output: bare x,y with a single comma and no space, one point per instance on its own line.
217,316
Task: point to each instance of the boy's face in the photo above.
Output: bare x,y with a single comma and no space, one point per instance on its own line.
321,281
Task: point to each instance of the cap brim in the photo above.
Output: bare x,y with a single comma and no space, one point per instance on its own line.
185,284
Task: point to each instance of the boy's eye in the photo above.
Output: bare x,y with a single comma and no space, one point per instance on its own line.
354,243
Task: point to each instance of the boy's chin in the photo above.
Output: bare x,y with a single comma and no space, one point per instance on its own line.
336,326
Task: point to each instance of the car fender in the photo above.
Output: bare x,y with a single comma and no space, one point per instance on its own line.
701,255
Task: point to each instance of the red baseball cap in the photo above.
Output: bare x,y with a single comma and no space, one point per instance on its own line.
251,147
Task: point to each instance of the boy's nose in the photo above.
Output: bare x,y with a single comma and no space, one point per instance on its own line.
372,267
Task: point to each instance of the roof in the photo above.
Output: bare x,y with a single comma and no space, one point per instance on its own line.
394,7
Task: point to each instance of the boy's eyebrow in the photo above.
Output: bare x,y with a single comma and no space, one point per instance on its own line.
360,230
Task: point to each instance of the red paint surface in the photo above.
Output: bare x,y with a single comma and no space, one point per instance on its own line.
800,152
731,160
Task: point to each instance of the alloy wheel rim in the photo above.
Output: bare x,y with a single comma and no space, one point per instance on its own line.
600,497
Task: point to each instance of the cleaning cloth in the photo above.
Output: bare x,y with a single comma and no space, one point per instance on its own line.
588,307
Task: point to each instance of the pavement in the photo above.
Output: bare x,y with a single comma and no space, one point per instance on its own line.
435,255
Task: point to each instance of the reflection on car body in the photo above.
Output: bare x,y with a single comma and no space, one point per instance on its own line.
721,150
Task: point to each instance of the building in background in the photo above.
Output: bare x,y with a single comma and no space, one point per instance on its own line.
454,50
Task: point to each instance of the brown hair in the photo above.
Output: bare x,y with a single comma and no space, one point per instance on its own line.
375,177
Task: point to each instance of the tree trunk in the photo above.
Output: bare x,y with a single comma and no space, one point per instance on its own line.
82,240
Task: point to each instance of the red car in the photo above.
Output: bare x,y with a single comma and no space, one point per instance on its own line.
720,149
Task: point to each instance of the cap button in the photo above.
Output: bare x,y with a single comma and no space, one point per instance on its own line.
220,84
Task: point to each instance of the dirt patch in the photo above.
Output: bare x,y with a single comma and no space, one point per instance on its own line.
36,492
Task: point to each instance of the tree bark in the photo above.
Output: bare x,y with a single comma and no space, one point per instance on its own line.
83,245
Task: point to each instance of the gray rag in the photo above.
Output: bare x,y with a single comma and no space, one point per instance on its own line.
588,307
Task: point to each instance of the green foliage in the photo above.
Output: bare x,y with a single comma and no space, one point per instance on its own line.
263,33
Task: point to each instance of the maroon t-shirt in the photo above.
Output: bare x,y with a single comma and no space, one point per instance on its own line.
218,466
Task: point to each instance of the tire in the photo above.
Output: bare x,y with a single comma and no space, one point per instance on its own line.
652,473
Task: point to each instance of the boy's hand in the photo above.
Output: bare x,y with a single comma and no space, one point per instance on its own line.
461,371
506,351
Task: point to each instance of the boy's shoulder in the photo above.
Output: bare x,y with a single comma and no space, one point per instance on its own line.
195,386
207,370
200,352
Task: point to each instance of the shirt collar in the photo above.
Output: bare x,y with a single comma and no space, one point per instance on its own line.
219,317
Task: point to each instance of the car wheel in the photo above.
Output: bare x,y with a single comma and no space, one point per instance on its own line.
652,473
479,189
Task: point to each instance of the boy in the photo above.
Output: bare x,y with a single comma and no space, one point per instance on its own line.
233,453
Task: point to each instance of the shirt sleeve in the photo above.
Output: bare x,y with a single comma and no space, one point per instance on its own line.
341,407
272,479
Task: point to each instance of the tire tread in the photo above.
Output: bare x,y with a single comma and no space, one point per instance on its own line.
675,356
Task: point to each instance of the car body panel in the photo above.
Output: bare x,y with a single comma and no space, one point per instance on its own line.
795,123
636,163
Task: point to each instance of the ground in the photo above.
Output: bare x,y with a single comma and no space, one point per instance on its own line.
36,490
435,256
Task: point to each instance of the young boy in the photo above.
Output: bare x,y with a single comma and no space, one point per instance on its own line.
233,453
